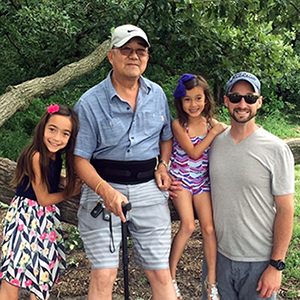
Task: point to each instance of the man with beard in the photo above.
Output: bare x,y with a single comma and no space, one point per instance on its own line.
252,189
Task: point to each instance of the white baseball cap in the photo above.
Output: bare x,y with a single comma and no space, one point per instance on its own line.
124,33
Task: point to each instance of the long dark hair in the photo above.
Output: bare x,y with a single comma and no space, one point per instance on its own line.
24,164
209,102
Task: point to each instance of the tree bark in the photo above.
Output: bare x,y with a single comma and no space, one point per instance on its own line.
19,96
294,145
69,207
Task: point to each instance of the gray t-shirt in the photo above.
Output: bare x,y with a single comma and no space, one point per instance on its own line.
244,179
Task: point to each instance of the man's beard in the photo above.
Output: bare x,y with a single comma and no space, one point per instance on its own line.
233,116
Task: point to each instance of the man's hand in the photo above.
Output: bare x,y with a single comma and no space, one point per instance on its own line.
162,177
269,282
175,186
113,200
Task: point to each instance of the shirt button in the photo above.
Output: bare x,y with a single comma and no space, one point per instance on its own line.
128,108
132,137
128,151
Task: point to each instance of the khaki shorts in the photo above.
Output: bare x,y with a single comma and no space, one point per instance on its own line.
149,224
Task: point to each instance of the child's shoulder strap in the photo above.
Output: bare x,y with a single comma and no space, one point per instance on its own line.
208,125
186,128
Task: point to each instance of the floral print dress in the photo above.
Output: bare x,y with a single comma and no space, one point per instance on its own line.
32,253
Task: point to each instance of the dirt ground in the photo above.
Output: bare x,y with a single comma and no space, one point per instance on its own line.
74,283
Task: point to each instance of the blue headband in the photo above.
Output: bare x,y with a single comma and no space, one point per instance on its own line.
180,88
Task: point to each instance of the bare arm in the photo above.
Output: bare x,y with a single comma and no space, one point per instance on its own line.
283,229
185,142
111,197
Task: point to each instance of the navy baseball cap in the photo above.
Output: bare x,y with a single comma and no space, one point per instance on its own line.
253,80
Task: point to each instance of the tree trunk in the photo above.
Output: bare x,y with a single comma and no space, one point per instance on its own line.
19,96
69,207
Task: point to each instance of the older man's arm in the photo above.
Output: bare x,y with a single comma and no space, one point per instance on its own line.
162,173
111,197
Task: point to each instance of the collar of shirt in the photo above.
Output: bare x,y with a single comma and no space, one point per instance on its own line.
144,87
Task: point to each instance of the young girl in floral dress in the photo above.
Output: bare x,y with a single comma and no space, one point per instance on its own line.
32,247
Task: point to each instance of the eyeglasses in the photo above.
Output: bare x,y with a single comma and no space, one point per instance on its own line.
126,51
249,98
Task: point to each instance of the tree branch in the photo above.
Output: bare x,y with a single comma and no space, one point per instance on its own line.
142,13
14,45
19,96
296,8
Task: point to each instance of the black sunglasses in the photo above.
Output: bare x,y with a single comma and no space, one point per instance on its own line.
249,98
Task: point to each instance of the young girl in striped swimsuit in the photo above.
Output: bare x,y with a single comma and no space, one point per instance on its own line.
193,131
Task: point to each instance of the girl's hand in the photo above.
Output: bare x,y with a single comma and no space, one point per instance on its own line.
176,185
218,128
78,186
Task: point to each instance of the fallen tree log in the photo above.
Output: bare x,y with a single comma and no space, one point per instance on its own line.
70,206
294,145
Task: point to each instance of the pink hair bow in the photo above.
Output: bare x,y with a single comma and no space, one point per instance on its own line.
53,108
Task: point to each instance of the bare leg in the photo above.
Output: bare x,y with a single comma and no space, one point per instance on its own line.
8,291
184,206
101,284
32,296
203,207
161,284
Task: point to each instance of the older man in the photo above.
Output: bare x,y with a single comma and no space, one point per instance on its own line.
122,153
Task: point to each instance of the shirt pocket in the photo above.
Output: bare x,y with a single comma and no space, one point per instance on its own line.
111,131
152,123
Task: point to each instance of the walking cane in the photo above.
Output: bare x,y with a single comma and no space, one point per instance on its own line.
125,208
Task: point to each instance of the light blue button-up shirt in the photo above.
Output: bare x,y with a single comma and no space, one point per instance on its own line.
109,129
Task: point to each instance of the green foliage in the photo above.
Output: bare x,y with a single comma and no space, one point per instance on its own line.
16,133
73,241
275,117
223,115
72,262
143,281
3,205
12,142
168,86
278,125
214,38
